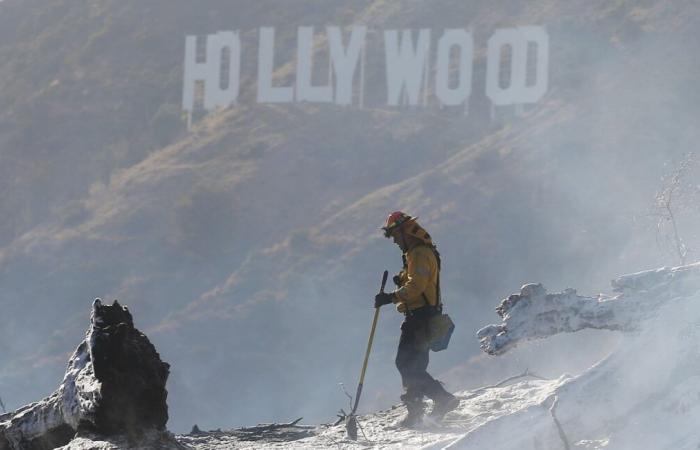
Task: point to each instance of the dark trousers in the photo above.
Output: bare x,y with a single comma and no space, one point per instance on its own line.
412,358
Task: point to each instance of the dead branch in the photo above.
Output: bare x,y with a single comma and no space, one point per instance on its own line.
481,390
676,197
562,435
525,374
268,432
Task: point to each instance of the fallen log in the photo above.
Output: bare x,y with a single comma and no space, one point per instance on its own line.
535,314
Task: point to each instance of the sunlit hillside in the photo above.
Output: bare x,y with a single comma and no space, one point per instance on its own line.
249,246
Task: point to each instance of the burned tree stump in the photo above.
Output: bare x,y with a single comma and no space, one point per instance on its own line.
114,386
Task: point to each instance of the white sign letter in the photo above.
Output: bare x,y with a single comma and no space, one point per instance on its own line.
518,92
305,54
464,41
266,54
405,65
215,94
345,61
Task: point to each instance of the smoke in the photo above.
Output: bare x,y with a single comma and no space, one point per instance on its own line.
249,250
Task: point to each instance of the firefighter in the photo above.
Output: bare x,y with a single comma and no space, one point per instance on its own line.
418,298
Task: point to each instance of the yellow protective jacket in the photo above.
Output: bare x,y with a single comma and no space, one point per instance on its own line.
418,278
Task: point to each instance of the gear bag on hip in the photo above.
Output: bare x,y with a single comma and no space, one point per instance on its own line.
440,328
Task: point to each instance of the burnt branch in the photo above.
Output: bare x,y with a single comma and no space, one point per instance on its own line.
535,314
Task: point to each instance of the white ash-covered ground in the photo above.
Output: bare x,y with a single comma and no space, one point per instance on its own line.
644,396
476,408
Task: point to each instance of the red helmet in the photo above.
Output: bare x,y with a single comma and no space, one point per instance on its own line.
395,219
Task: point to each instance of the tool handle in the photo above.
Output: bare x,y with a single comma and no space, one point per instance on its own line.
369,347
364,364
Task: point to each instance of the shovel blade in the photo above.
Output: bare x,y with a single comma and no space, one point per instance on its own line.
351,427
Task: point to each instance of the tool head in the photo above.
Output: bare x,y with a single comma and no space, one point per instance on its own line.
384,277
351,426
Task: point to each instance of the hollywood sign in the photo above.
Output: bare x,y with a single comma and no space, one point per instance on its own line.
408,65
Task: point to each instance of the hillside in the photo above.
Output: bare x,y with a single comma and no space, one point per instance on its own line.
249,246
641,395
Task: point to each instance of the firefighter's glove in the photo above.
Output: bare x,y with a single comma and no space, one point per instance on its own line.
383,299
397,280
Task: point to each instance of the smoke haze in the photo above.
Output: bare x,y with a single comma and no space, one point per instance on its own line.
248,248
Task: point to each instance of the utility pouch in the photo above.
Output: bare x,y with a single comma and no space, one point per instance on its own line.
440,328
